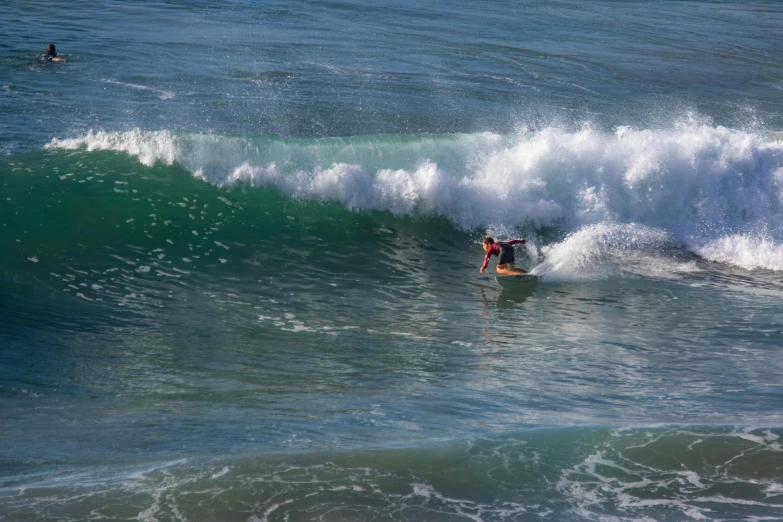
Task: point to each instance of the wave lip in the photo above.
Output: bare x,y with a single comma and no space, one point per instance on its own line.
717,191
149,147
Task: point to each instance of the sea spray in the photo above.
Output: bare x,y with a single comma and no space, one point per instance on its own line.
605,250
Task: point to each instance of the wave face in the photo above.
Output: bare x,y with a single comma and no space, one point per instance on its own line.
249,327
716,191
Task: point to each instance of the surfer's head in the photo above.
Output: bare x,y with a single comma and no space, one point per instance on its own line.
50,50
486,242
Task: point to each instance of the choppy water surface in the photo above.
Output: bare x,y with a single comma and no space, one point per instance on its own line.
239,265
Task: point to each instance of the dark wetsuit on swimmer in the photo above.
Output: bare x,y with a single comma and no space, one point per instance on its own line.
503,250
51,55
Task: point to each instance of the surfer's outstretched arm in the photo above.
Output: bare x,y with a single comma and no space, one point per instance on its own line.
486,262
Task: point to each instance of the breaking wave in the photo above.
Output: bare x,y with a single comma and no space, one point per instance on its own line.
714,190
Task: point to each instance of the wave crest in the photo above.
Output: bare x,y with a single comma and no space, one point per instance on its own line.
716,190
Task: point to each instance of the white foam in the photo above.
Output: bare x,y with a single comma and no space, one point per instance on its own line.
768,439
715,190
148,147
750,250
220,473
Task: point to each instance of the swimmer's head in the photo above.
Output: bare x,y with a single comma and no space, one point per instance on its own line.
487,242
50,50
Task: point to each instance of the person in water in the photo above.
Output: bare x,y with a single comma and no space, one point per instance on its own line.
51,55
505,252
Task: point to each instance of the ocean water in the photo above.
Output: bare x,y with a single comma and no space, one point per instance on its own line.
239,252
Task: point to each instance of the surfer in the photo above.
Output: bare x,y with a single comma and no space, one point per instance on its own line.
505,252
51,55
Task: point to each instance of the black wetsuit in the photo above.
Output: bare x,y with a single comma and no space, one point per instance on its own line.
506,254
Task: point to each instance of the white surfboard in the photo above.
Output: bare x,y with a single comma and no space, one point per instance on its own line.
516,280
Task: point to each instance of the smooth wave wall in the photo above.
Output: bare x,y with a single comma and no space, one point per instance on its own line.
714,190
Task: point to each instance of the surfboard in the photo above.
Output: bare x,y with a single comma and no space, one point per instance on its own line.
516,280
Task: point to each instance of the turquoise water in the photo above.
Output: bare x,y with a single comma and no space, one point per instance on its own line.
239,275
